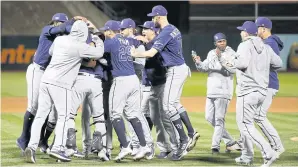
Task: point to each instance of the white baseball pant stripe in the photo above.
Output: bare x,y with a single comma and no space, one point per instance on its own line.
265,125
61,98
33,78
176,76
247,106
215,112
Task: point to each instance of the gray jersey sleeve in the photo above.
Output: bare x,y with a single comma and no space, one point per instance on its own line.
204,66
51,49
242,58
275,60
91,51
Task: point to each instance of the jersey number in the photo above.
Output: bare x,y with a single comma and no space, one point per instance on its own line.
124,53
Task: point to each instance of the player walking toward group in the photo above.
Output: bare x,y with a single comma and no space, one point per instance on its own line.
169,44
155,78
58,26
264,31
124,101
253,61
128,30
219,92
55,88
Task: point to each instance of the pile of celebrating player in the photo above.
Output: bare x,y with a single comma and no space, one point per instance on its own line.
131,83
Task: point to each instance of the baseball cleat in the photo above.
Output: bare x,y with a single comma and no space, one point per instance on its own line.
163,155
215,151
123,153
234,146
268,162
60,155
243,161
151,155
193,143
30,155
103,155
182,150
143,151
135,150
78,154
43,147
280,151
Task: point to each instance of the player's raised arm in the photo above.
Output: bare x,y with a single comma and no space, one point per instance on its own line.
201,66
91,51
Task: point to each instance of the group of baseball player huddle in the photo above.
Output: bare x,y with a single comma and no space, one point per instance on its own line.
121,78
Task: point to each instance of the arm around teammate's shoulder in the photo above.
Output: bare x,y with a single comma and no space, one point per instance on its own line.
90,51
275,60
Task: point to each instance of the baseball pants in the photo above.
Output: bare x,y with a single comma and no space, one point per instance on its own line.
247,106
215,112
166,134
106,85
265,125
88,89
33,77
176,76
61,98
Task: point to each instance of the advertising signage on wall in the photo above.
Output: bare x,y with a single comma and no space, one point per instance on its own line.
17,51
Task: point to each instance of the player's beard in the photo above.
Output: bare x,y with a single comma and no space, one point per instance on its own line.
156,24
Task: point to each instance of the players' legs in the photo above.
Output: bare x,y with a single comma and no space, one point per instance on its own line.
265,125
33,76
185,119
246,108
171,132
44,107
106,89
176,76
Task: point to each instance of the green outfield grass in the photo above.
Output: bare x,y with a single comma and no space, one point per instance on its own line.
200,156
14,84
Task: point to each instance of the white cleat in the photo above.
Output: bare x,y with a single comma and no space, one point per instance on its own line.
280,151
123,153
235,146
243,161
268,162
143,151
103,155
151,155
135,150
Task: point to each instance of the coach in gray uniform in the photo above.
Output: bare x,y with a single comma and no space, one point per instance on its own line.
253,61
55,88
219,92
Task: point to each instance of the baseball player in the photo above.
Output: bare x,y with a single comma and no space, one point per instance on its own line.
128,30
264,31
155,78
253,61
58,26
55,88
169,45
124,101
219,92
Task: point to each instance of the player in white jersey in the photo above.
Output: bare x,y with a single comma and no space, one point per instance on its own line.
67,53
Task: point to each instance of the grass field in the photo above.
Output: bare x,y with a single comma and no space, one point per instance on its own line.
14,84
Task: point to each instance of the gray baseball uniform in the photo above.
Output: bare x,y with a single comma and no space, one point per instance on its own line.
67,53
219,94
253,62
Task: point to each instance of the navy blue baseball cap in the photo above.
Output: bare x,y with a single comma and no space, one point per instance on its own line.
219,36
127,23
264,22
249,27
149,25
111,25
60,17
158,11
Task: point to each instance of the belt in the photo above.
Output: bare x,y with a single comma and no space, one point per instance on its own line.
90,75
39,66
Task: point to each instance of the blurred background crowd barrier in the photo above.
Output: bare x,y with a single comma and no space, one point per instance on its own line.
197,20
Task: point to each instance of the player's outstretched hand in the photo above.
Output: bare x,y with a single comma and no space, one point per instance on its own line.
142,38
218,52
133,51
195,57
